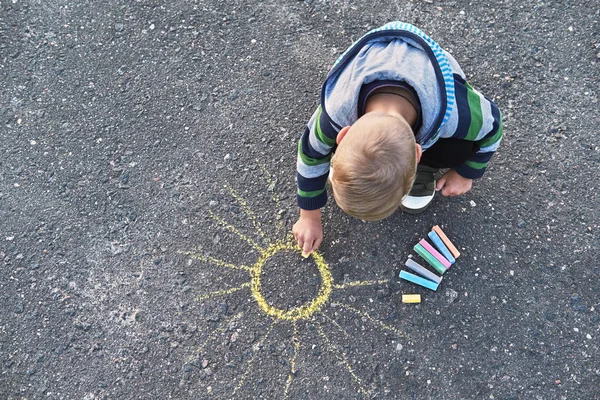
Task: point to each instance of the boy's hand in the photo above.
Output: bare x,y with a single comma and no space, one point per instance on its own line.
452,184
308,231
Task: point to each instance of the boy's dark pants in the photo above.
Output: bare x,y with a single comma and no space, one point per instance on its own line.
448,153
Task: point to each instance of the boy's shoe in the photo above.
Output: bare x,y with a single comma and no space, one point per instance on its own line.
422,192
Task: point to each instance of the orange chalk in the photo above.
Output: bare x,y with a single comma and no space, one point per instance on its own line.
446,241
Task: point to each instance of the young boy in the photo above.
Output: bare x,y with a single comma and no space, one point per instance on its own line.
395,107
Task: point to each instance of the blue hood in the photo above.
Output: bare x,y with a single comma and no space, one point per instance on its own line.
400,52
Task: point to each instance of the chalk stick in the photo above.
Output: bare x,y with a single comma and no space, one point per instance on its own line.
435,253
424,272
305,255
431,260
418,280
411,298
439,244
447,241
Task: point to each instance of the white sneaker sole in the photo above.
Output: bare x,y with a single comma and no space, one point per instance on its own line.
415,205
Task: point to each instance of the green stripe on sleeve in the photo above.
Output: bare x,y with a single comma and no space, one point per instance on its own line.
476,165
476,114
319,133
314,193
306,160
489,141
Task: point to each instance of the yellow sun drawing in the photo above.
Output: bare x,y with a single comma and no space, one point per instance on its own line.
303,312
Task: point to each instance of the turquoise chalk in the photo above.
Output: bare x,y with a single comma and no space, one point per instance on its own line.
431,260
418,280
439,244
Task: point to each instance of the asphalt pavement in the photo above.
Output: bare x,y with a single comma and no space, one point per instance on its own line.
147,195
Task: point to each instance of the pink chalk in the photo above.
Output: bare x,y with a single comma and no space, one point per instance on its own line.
435,253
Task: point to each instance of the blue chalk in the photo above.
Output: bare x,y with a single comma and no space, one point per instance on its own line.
439,244
418,280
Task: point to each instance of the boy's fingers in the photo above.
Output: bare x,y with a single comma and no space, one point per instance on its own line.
308,247
317,243
440,184
449,192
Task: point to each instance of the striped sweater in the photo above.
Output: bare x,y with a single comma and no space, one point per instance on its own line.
451,108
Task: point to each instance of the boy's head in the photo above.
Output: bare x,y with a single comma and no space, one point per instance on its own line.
374,165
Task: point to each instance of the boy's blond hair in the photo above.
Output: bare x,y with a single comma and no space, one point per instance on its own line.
374,166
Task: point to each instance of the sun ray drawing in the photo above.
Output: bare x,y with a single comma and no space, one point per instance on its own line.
370,318
296,347
340,355
335,323
251,361
212,335
319,311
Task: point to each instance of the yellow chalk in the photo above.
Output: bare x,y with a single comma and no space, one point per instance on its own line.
411,298
305,255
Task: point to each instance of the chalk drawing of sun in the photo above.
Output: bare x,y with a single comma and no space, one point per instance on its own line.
287,318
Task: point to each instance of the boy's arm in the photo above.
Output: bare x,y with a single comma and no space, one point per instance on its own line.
484,127
312,165
314,154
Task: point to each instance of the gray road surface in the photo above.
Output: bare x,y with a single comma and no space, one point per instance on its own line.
147,161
